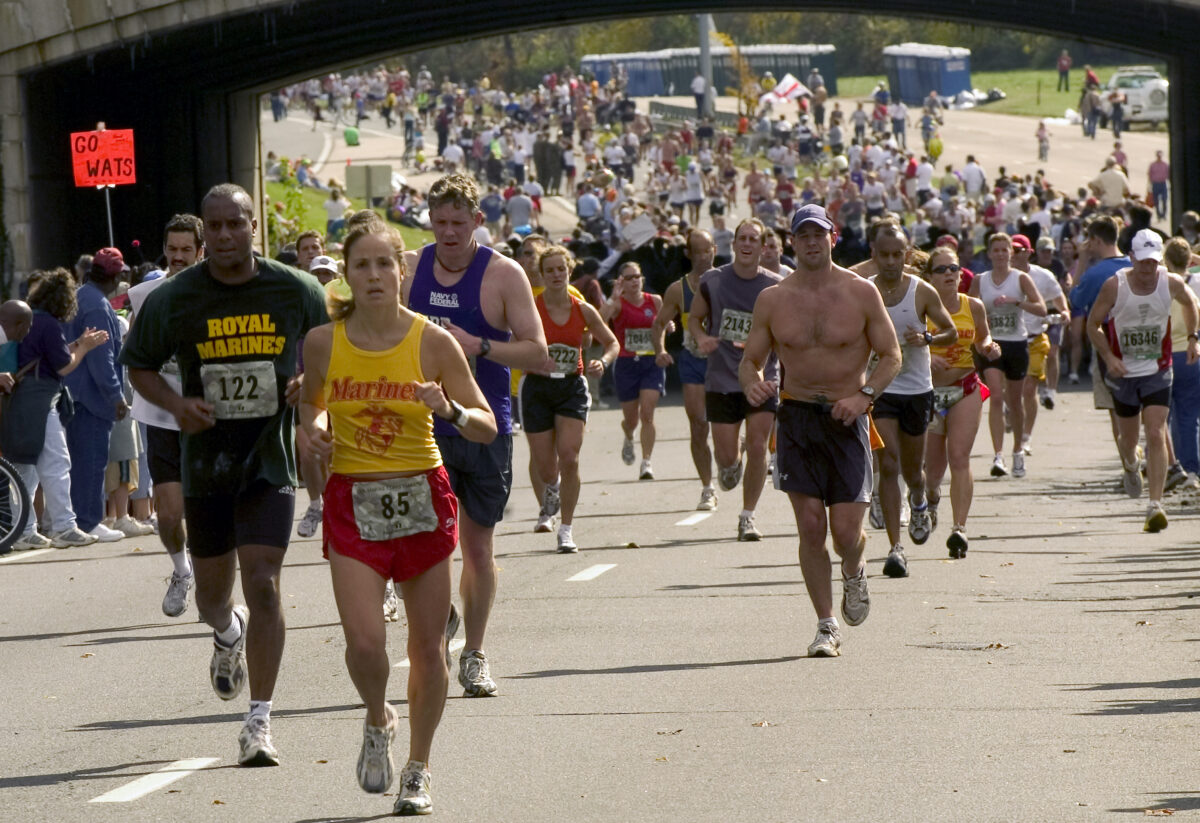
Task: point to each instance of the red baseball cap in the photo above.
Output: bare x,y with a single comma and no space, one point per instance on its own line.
1020,241
109,261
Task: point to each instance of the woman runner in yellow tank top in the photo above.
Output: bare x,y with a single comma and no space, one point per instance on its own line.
958,403
381,372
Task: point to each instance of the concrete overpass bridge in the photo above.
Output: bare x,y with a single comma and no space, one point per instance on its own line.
186,74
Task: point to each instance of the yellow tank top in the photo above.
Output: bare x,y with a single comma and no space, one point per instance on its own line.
958,355
379,425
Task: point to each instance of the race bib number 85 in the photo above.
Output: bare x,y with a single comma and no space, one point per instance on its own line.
389,509
240,391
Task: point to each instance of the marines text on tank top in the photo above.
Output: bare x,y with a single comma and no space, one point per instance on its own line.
460,304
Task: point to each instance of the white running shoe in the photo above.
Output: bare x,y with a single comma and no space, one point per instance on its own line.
391,603
856,600
708,500
1026,448
175,602
255,744
72,538
566,541
545,524
998,467
311,520
875,513
474,675
627,456
132,528
1156,517
227,670
747,531
1018,463
414,795
375,767
551,500
646,472
1073,379
828,642
729,476
33,540
106,535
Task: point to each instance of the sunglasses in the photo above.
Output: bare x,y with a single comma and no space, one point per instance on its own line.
950,269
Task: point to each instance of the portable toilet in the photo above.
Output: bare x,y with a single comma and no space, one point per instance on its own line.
915,69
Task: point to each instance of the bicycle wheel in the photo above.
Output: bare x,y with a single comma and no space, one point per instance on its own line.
15,506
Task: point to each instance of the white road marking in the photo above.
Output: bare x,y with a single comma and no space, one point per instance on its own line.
155,780
693,519
23,555
591,573
455,645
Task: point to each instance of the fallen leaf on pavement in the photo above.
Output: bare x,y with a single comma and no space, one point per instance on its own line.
761,724
661,760
1068,751
218,802
1159,812
322,761
87,654
996,646
677,731
1143,623
632,545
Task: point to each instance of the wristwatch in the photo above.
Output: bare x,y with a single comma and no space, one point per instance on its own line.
869,391
928,335
485,347
459,416
1194,337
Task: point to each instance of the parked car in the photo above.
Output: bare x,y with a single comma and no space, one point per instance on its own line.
1145,93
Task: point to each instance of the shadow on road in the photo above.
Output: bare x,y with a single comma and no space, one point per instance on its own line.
658,667
91,773
1185,802
200,720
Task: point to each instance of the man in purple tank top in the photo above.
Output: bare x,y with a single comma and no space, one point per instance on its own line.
485,301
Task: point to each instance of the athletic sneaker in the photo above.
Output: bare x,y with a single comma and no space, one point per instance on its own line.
1026,448
1073,379
730,476
391,603
1132,481
106,535
551,500
375,767
933,515
708,500
856,600
646,472
1018,459
452,623
747,531
956,543
132,528
1192,481
771,466
255,743
227,671
175,601
920,524
545,524
71,538
474,675
311,520
827,643
1048,400
1175,476
875,515
566,543
627,451
1156,518
33,540
414,791
998,467
905,512
896,565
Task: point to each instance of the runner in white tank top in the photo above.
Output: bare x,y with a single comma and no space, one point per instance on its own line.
903,410
1129,327
1005,292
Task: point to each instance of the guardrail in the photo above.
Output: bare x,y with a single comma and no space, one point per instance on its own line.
669,112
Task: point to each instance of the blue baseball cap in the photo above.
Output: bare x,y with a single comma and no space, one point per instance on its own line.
811,213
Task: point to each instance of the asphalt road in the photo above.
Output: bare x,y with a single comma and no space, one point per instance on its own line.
1047,676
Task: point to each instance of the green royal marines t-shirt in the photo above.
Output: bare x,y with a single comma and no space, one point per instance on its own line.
236,347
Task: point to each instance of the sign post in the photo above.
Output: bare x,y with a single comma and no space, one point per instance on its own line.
103,158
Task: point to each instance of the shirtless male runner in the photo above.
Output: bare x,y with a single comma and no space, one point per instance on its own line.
677,300
823,322
485,301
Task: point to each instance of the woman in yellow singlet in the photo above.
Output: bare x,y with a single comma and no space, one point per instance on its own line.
958,405
381,372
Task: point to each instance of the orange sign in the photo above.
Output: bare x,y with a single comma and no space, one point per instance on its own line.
103,158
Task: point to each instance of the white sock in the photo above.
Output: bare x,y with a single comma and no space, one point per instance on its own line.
828,621
747,513
708,487
260,707
231,634
564,530
182,562
316,505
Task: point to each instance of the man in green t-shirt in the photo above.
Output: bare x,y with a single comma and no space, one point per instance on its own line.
233,322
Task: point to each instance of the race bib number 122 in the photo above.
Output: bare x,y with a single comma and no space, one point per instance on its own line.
240,391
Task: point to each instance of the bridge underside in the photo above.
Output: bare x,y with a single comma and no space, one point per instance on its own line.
190,93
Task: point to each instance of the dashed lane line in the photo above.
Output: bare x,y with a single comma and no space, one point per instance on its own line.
24,555
455,645
155,780
591,573
693,519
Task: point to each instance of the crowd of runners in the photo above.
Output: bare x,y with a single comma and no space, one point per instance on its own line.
842,341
